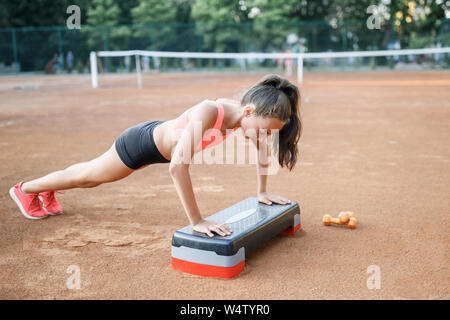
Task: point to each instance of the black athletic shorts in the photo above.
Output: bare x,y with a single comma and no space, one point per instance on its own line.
136,146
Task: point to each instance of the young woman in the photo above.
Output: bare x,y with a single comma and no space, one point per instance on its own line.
271,104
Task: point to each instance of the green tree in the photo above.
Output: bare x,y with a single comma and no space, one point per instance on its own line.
184,11
35,13
154,11
155,16
125,10
217,21
4,16
416,23
103,12
35,47
310,20
106,15
271,22
413,23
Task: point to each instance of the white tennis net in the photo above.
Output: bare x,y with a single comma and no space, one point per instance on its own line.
288,63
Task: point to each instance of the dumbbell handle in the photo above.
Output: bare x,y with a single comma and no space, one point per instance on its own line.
351,223
337,221
328,220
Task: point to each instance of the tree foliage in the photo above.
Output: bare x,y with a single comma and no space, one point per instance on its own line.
234,25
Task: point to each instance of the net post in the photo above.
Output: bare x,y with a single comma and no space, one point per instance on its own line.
138,71
94,71
300,68
14,44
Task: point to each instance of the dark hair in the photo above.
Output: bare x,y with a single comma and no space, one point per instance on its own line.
274,96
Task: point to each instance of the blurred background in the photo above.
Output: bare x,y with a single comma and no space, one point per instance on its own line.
34,36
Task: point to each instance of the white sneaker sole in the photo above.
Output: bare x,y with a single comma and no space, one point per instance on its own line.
13,196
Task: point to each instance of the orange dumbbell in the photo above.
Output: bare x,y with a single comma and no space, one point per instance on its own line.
352,223
327,220
345,218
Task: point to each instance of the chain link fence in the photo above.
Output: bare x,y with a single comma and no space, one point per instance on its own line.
60,50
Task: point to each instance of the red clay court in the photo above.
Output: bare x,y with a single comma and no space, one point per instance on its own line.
376,143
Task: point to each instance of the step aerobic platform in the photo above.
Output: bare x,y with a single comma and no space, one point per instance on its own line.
252,223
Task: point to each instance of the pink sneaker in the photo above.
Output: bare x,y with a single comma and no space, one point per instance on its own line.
50,204
28,203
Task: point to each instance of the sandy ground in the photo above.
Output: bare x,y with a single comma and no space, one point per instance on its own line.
374,143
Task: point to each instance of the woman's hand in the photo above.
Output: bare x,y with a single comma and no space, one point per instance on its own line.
267,198
208,227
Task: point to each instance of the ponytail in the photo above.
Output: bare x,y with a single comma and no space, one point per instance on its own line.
291,132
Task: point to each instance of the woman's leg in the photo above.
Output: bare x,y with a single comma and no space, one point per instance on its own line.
106,168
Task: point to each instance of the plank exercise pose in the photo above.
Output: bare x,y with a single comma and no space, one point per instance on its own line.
271,104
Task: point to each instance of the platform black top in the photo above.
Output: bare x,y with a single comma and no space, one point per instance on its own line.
251,221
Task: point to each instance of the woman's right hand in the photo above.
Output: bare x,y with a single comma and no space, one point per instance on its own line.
209,227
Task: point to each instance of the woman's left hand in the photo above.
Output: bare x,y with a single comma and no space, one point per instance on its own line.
268,199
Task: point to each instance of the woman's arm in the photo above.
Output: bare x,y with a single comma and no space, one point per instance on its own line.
183,185
202,119
262,165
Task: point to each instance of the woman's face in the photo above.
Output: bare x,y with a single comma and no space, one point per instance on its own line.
253,125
